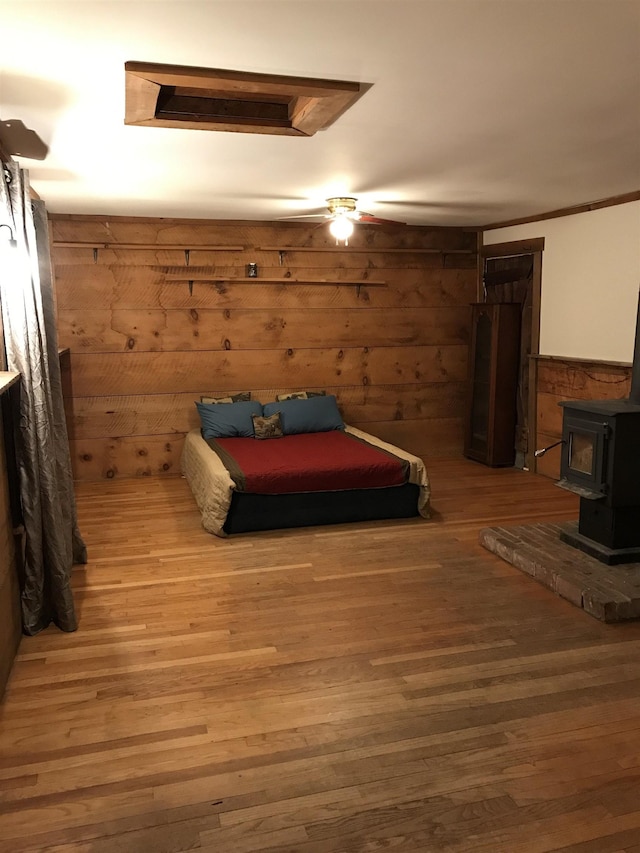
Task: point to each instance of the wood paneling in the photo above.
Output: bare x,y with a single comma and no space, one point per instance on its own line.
171,372
126,456
175,330
143,347
139,287
571,379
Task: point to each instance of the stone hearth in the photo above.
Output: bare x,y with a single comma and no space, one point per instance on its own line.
609,593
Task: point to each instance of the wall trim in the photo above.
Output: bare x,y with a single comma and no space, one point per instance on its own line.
513,247
597,362
625,198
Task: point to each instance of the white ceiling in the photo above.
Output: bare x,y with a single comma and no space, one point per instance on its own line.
479,111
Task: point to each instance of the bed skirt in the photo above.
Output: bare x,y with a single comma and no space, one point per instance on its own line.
303,509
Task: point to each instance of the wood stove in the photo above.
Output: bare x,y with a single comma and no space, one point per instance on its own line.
601,464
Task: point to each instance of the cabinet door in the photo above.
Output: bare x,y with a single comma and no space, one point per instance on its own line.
493,380
10,617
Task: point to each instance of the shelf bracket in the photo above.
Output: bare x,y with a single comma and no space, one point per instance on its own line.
187,255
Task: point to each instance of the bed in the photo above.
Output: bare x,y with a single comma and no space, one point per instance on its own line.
301,475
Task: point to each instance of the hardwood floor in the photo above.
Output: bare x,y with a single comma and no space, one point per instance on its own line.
366,687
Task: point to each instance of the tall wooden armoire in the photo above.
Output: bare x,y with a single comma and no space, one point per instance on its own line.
494,355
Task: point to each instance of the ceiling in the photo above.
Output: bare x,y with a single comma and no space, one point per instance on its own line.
479,111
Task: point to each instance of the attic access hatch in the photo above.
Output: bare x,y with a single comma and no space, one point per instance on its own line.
216,99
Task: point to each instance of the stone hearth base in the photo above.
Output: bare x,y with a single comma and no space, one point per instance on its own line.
610,593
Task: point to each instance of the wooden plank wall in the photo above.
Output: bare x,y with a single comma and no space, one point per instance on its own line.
571,379
143,347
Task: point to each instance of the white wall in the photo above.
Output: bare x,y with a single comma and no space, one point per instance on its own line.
590,281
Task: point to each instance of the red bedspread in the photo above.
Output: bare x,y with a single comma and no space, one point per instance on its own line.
309,462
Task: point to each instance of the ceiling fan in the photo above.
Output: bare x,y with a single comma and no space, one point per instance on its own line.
343,213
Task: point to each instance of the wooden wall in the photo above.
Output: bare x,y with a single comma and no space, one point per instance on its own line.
383,324
571,379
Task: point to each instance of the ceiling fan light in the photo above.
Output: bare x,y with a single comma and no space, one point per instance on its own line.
341,227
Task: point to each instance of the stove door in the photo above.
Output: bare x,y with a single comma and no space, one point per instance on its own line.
584,456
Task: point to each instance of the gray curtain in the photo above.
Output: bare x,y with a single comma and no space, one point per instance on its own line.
52,540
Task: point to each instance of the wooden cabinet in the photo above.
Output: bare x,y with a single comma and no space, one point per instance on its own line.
10,617
494,355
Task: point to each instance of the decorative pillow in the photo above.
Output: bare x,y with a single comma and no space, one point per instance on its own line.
228,420
267,426
209,400
316,414
231,398
300,395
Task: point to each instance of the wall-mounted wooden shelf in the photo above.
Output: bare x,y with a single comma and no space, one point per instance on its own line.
368,249
205,247
165,247
362,282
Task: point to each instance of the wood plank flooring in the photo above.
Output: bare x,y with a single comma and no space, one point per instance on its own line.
389,686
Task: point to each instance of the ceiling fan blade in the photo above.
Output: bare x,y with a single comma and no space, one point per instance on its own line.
370,219
346,207
303,216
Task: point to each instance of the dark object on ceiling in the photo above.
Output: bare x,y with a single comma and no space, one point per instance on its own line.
17,140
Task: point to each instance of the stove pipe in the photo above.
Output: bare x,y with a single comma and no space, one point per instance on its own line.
634,395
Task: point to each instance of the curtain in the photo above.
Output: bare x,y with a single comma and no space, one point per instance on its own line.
52,541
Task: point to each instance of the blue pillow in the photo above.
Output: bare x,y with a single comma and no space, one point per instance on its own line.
228,420
317,414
